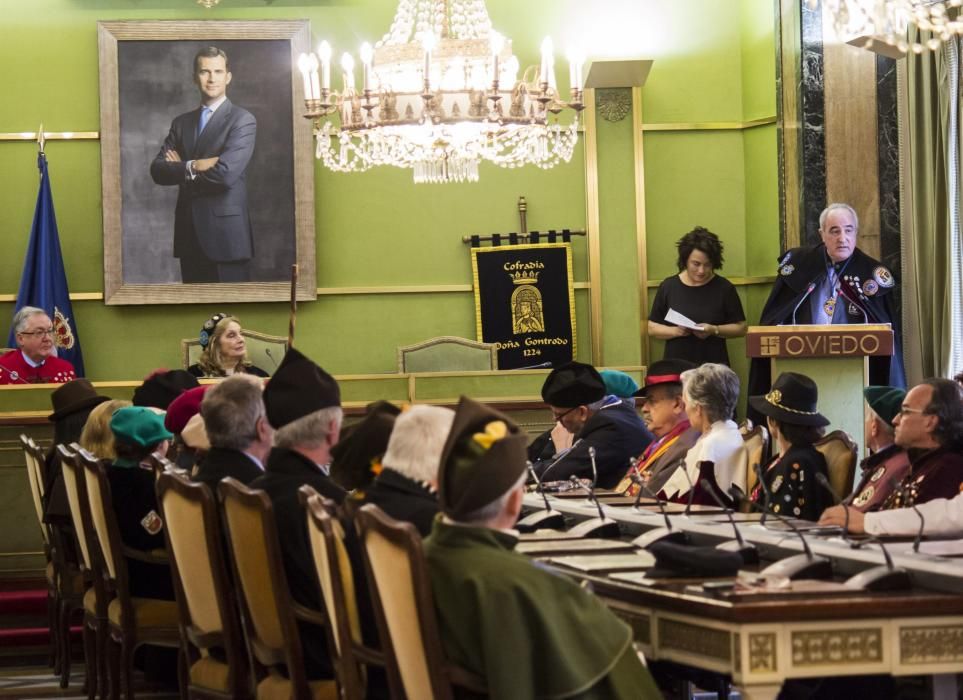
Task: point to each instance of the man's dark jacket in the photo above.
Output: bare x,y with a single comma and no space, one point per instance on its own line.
286,472
615,431
221,462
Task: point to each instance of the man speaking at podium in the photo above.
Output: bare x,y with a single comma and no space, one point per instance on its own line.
833,282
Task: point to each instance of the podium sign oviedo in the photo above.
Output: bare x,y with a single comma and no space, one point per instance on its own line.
858,340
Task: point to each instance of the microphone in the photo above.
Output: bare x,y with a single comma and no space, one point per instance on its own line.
15,376
594,527
658,534
919,535
824,482
685,473
560,458
846,291
540,365
877,578
267,351
748,552
800,566
809,290
541,519
766,493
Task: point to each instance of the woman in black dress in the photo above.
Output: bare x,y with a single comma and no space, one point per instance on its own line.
225,350
795,424
702,296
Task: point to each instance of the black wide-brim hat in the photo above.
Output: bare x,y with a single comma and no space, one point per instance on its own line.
573,384
162,387
792,400
668,371
73,397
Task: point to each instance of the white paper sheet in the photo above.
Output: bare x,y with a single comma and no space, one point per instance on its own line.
678,319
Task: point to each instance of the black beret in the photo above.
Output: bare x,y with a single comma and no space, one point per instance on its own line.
681,561
484,456
298,388
162,387
573,384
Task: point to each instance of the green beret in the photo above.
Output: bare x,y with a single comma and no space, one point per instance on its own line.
885,401
484,456
573,384
618,383
139,425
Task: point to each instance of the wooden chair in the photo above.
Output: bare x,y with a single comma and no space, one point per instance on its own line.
265,351
95,598
447,353
209,622
756,443
405,610
339,594
131,621
35,480
841,455
267,610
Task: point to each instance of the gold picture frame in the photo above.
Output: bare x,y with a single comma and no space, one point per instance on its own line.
139,267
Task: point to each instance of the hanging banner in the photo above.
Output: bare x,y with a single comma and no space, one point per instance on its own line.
525,303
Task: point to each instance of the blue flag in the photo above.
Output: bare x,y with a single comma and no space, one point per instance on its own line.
44,281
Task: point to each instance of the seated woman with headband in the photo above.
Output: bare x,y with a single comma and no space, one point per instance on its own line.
224,350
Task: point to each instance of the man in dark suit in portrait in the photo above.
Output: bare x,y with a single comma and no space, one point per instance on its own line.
206,155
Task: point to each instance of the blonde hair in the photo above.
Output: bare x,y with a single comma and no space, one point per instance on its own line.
97,437
211,361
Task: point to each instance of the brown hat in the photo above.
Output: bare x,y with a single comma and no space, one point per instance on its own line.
72,397
484,456
298,388
573,384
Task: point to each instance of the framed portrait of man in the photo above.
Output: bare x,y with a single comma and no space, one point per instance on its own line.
207,164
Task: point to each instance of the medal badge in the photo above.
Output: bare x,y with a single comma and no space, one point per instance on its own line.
786,270
829,306
878,474
883,277
152,523
776,483
870,288
864,496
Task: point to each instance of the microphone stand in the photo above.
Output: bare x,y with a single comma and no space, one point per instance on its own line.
657,534
541,519
885,577
560,458
748,552
799,566
600,526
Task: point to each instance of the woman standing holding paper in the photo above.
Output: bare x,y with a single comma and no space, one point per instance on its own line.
702,307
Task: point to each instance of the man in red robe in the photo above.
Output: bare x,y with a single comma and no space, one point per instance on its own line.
33,362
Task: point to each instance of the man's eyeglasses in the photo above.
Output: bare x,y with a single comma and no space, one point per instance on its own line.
559,416
38,333
904,410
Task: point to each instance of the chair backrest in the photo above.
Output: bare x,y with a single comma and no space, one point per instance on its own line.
756,442
263,350
266,607
404,608
337,588
202,585
36,483
447,353
76,489
104,522
841,453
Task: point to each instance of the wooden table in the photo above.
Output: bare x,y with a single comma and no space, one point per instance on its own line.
761,643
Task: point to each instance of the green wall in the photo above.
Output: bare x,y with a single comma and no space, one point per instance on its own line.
713,61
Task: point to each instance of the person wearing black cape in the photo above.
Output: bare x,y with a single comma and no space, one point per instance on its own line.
833,282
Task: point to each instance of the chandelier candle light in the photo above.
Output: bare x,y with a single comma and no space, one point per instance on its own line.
889,19
440,93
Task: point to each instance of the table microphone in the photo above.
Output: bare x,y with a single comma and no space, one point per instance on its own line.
809,290
767,494
267,351
919,514
600,526
877,578
658,534
798,566
560,458
748,552
548,518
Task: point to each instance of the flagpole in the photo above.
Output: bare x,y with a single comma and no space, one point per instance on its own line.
292,319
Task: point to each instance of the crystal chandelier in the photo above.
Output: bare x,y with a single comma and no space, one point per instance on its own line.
889,20
440,93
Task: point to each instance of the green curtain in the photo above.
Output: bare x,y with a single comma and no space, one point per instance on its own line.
929,95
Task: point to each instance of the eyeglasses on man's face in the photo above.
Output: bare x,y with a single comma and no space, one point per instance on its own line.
907,410
43,332
560,415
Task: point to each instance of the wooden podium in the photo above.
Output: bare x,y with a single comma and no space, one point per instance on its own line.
836,357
